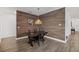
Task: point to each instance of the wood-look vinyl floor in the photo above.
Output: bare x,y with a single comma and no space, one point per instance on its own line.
12,45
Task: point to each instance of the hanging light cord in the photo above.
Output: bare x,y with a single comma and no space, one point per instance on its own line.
38,13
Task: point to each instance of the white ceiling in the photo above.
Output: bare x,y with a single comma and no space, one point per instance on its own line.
31,10
34,10
73,11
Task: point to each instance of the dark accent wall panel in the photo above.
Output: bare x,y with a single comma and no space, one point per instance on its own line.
22,23
54,23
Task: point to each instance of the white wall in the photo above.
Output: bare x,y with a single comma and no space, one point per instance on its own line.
74,13
75,23
7,22
67,23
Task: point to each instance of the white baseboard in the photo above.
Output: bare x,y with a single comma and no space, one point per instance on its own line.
59,40
21,37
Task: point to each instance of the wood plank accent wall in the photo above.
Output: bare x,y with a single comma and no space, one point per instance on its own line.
51,23
22,23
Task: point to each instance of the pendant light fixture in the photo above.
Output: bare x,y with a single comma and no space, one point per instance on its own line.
38,21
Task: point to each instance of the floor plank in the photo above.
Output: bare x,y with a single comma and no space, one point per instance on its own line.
13,45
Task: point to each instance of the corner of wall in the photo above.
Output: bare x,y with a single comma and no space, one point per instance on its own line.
67,24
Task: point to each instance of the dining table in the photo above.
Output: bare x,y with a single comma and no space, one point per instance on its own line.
36,37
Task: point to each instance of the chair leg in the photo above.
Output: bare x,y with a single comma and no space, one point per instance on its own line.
38,42
31,43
